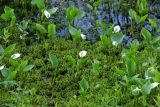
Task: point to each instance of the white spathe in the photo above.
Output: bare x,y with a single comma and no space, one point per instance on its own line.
47,14
83,36
155,84
82,53
2,67
16,55
115,43
117,29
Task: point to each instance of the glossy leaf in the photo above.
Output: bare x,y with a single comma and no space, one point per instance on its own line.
117,37
28,68
131,67
5,73
52,10
153,23
8,51
12,75
146,34
96,67
105,40
53,59
40,28
146,88
76,34
84,85
51,29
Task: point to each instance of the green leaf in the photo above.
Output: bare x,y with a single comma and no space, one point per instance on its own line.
40,29
146,88
84,85
80,15
53,59
1,50
40,4
120,72
156,78
135,42
5,73
143,18
6,33
153,23
105,40
22,65
117,37
146,34
51,29
8,51
13,63
74,13
97,3
33,91
137,18
131,67
155,40
132,14
89,6
9,13
52,10
96,67
28,68
74,32
12,75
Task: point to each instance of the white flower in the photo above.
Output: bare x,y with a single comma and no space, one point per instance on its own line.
47,14
1,67
115,43
83,36
82,53
155,84
16,55
117,29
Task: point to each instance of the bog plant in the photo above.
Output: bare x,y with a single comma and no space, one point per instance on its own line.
140,83
41,6
41,30
9,17
9,73
74,14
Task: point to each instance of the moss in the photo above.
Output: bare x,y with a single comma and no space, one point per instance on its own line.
63,83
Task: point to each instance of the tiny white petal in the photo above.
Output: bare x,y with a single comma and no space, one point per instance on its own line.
82,53
83,36
155,84
1,67
47,14
117,29
115,43
16,55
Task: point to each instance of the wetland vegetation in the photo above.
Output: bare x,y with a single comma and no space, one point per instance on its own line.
79,53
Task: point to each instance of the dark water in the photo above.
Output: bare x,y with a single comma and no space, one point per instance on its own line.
106,14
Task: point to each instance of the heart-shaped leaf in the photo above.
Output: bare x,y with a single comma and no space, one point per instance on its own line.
84,85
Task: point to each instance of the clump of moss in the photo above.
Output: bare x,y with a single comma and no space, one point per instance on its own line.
60,84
